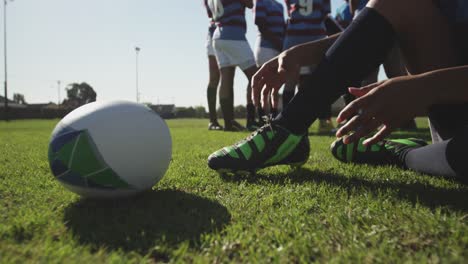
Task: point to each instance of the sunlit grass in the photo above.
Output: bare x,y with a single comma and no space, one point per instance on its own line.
326,211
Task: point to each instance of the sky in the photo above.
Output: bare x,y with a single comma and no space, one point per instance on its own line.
94,41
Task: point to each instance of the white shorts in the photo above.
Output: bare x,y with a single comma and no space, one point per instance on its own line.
263,55
209,46
233,53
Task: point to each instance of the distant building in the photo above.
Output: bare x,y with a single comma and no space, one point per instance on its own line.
11,104
43,106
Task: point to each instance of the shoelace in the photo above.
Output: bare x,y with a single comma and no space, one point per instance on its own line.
268,124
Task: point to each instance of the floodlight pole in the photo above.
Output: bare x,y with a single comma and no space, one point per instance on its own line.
58,93
137,51
5,56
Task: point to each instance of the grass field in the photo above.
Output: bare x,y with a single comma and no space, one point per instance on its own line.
326,211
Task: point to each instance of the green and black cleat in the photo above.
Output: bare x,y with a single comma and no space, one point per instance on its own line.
270,145
386,152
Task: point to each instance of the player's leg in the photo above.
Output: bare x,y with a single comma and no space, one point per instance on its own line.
431,43
252,124
364,46
228,58
324,114
226,97
212,91
325,126
448,122
360,49
394,65
245,59
443,158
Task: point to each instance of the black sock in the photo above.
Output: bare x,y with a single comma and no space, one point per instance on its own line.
273,112
228,111
357,52
287,97
260,113
211,96
323,113
250,113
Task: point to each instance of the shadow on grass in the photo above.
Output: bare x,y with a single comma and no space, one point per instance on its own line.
429,196
164,218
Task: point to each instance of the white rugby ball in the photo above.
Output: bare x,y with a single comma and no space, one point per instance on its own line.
110,149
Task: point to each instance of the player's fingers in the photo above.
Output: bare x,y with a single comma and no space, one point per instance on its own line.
353,124
358,92
265,72
362,131
259,78
256,89
351,109
275,98
265,95
380,135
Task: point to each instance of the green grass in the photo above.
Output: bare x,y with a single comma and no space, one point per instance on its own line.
326,211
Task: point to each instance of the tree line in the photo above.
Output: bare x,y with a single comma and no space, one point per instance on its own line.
79,94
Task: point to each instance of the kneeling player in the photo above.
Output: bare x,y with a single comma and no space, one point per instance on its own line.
437,87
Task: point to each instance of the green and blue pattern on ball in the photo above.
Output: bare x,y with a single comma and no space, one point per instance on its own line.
75,160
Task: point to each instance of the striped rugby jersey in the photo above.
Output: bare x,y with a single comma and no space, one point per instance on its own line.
212,25
229,16
270,14
306,17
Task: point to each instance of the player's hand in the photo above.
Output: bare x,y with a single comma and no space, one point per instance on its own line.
271,76
382,106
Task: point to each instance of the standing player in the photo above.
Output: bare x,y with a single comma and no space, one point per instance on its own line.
269,18
232,50
214,74
305,24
